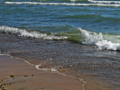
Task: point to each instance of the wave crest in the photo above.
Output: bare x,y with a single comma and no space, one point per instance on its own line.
99,40
67,4
32,34
105,2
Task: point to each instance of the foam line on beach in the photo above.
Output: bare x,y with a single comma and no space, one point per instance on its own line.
38,67
45,69
67,4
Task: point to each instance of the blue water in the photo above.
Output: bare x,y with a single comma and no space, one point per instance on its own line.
60,18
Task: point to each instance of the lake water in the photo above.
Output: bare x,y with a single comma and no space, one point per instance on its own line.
79,34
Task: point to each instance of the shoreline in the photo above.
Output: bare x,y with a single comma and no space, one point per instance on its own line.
16,74
68,58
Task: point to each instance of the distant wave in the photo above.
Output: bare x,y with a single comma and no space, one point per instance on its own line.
97,17
105,2
67,4
32,34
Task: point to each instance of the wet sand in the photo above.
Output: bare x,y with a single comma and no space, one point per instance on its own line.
18,75
95,66
15,74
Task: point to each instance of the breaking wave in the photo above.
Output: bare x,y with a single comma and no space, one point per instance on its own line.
32,34
105,2
102,41
69,4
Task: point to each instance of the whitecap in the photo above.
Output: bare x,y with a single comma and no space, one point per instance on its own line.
32,34
67,4
98,40
104,2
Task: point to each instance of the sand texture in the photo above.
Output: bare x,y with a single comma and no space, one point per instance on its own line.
18,75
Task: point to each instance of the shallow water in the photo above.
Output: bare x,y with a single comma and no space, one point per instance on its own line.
63,55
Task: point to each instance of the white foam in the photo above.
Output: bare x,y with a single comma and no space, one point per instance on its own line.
67,4
104,44
38,67
90,37
98,40
73,0
2,54
25,33
105,2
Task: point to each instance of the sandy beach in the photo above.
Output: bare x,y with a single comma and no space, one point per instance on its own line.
18,75
15,74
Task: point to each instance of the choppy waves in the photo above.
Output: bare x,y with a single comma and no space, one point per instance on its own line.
32,34
101,40
69,4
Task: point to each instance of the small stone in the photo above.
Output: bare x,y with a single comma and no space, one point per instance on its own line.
25,75
11,75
